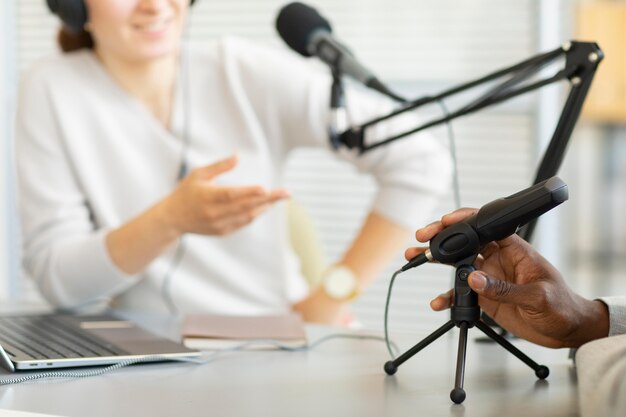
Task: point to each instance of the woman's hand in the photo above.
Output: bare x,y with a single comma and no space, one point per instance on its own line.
199,206
523,292
320,308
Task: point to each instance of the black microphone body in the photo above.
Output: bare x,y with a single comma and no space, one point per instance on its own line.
309,34
323,45
460,243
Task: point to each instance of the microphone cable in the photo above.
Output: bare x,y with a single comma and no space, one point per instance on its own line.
424,257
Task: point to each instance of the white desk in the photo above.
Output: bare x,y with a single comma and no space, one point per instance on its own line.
339,378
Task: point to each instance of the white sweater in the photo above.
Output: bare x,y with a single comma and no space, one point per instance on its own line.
90,157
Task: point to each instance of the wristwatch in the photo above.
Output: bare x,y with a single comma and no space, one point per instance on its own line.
340,283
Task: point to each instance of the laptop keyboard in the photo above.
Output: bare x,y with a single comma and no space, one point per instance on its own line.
48,337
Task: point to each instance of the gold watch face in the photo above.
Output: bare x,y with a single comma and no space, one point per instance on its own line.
340,283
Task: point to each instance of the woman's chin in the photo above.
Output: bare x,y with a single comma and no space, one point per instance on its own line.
154,52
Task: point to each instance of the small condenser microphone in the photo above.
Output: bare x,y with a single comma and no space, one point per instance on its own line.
494,221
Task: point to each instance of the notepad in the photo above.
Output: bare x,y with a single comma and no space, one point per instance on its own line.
209,332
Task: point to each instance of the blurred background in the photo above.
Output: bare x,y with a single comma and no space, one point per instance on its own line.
418,47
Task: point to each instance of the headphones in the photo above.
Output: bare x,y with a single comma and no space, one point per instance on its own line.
73,13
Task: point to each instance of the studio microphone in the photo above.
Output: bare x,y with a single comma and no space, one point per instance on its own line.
309,34
461,242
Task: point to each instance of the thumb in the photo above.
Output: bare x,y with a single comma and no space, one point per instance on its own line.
497,289
211,171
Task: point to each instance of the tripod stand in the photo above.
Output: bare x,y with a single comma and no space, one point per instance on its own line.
465,315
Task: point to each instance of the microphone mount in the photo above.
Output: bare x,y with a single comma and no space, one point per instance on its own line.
581,62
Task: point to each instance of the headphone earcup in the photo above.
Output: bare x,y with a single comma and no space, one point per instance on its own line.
73,13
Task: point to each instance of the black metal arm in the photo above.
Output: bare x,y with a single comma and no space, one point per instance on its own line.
581,62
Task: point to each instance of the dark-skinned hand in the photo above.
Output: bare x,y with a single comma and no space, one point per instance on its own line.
523,292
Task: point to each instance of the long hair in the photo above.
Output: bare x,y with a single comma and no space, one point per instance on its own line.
69,41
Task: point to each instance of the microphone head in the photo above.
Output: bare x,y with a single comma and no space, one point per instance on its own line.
296,22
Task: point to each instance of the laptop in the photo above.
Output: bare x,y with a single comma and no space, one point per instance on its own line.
32,342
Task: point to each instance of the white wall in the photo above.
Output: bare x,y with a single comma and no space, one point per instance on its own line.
7,62
3,138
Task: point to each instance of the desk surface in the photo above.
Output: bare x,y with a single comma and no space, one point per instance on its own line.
339,378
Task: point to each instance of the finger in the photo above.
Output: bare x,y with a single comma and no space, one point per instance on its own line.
218,168
226,214
490,307
232,223
489,249
243,215
458,215
266,201
478,263
411,253
515,240
442,302
253,212
500,290
428,232
248,204
279,194
233,194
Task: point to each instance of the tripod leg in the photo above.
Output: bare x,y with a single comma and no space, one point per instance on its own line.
491,323
457,395
392,366
541,371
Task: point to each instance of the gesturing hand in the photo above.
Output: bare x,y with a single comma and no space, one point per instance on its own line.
523,292
199,206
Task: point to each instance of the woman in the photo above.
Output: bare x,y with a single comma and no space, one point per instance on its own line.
128,179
